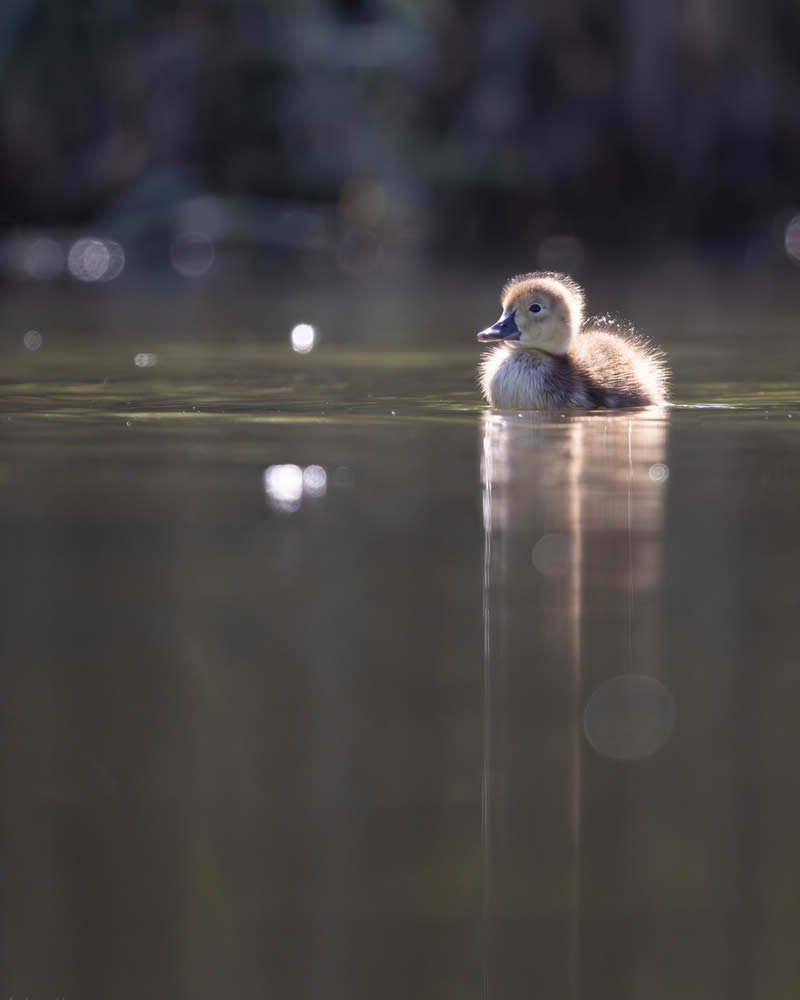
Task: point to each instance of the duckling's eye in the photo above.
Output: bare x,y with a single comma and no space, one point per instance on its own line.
536,308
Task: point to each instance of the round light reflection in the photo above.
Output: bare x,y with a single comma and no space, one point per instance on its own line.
302,338
550,555
659,472
629,717
32,340
315,481
283,485
92,259
791,238
193,254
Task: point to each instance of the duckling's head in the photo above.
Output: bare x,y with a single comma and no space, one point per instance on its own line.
542,310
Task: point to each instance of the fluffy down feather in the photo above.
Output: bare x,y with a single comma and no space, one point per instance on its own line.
605,364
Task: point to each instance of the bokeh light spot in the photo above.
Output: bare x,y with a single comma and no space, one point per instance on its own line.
92,259
629,717
659,472
302,338
283,485
550,555
791,238
315,481
32,340
193,254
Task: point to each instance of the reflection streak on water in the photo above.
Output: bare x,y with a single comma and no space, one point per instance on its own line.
582,487
487,473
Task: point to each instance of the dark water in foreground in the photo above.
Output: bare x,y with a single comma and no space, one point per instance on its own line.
320,681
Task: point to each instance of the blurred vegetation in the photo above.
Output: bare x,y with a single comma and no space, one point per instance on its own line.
440,123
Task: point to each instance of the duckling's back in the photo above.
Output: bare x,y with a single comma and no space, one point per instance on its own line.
622,369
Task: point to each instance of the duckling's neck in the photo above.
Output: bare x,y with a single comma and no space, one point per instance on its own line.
536,353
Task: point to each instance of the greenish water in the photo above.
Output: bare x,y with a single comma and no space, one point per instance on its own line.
319,680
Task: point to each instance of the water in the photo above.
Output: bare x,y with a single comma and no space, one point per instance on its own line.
481,706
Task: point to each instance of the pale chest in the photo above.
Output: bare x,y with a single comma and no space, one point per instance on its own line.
526,380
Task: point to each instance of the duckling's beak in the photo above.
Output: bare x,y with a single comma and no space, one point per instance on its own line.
504,329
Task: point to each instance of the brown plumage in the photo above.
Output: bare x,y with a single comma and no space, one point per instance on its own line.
550,358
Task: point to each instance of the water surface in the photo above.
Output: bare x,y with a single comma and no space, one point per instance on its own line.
481,706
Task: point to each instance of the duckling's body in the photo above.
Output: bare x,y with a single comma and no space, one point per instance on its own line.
550,358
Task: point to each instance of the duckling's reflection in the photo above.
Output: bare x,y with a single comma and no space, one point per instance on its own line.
573,509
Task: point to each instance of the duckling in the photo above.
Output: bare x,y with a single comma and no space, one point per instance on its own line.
551,358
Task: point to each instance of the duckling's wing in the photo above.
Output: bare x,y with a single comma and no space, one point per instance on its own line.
626,331
622,359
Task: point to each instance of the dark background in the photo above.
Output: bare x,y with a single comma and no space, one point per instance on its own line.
376,128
